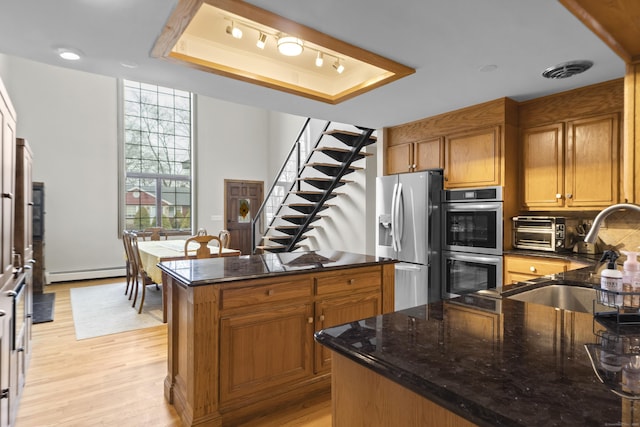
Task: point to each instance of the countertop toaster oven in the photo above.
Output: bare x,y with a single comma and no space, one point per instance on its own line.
544,233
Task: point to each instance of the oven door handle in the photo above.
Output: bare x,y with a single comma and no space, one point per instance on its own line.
493,259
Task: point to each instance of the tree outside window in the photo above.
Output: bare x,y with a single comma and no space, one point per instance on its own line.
157,128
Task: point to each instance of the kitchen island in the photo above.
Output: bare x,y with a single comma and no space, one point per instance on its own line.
479,361
241,328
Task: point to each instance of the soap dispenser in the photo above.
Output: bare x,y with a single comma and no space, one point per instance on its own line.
631,279
611,280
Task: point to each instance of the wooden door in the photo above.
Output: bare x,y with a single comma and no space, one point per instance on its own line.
591,168
543,167
242,201
472,159
336,311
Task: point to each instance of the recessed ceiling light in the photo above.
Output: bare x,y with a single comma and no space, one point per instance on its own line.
129,64
488,68
69,54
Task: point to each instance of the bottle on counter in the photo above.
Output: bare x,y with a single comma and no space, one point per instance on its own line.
611,280
631,279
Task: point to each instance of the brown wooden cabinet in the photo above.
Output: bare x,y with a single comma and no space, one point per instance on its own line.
336,311
571,165
518,268
472,158
415,156
262,351
240,347
475,146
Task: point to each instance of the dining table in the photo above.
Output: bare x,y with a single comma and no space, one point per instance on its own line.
152,252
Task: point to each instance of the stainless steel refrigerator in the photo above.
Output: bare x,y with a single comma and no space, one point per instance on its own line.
408,215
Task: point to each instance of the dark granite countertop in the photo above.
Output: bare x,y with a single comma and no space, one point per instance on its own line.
208,271
534,370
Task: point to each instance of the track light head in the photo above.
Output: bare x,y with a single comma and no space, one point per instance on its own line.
338,66
234,31
262,41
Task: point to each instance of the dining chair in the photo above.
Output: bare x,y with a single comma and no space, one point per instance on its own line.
225,238
154,233
129,262
141,277
204,251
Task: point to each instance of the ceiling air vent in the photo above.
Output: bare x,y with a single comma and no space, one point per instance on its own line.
567,69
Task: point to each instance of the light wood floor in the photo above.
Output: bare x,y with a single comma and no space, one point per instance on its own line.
115,380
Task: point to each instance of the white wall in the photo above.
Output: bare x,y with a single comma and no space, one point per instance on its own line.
70,120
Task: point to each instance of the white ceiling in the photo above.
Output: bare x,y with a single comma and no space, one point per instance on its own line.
448,42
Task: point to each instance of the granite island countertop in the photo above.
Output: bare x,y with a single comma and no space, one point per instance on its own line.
195,272
533,368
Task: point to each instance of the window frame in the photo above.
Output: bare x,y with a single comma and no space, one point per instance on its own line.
122,172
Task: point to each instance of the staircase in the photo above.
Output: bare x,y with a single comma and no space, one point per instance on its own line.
303,188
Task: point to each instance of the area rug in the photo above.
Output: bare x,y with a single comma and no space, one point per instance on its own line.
43,307
105,309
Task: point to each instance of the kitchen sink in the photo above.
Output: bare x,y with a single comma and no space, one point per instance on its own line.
574,298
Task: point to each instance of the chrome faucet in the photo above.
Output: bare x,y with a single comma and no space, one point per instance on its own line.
597,222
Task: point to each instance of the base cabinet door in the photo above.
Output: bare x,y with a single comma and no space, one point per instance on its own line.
265,350
336,311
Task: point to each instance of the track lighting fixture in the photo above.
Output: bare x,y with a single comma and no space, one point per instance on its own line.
319,59
290,46
338,66
234,31
262,41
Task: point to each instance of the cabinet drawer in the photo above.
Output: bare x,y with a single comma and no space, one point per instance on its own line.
348,281
535,266
272,292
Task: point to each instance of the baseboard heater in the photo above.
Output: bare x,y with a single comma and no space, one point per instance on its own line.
98,273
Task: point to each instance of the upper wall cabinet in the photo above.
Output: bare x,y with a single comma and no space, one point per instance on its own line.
573,162
472,145
472,159
414,156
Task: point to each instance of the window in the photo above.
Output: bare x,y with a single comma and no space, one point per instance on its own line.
156,157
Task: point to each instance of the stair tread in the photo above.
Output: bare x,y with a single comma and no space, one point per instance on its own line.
341,150
346,132
322,179
333,165
306,204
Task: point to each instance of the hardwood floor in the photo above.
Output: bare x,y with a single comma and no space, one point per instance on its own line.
115,380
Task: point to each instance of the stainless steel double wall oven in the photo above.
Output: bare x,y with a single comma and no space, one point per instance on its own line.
472,241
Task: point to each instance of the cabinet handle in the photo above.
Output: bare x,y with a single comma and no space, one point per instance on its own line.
558,196
30,204
532,269
7,195
11,293
351,281
20,350
2,313
4,394
321,318
414,165
310,320
270,292
569,196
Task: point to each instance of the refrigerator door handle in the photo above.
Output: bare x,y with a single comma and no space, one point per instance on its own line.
393,217
411,267
399,214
